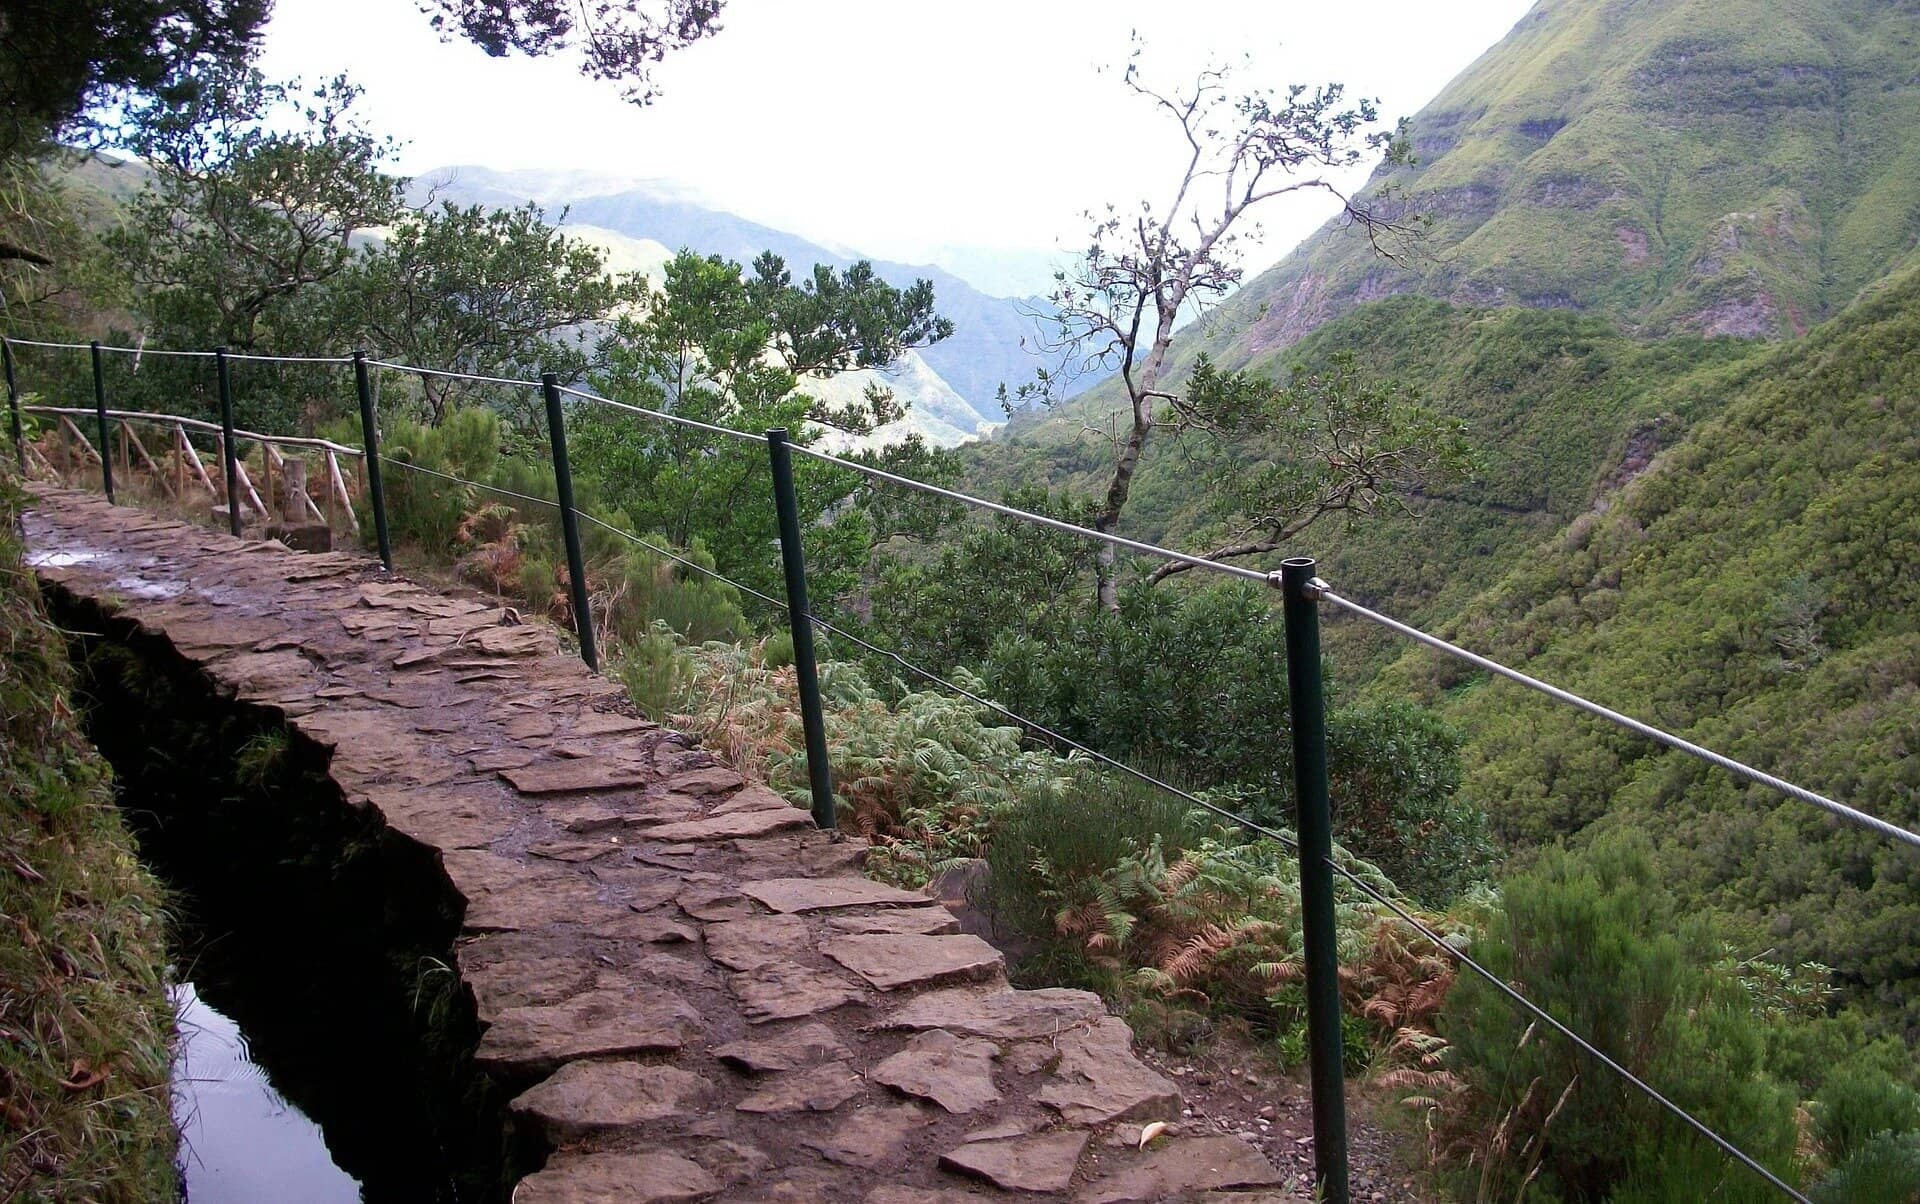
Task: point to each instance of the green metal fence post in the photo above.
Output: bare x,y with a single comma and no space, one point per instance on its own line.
370,441
570,521
13,407
100,412
227,451
793,558
1313,825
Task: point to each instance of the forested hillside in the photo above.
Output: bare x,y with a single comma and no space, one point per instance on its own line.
1758,590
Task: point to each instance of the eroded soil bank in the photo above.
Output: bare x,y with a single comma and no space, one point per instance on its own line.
324,934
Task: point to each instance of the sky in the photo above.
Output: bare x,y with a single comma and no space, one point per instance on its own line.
974,134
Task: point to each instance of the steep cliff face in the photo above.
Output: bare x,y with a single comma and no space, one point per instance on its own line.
1725,167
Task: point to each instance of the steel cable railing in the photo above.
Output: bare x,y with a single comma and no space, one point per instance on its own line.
1646,730
1320,591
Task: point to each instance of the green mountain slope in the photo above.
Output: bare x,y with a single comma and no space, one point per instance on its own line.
1724,166
1757,589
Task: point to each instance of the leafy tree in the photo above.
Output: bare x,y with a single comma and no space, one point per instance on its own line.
488,292
1145,271
53,268
731,348
58,57
1336,441
617,39
257,190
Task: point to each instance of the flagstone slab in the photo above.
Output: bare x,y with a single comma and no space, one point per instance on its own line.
826,894
582,1099
1099,1080
1043,1163
576,777
789,1049
1185,1165
1004,1015
819,1088
653,1177
955,1073
599,1023
727,827
891,961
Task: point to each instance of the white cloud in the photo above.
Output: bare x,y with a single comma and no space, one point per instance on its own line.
894,126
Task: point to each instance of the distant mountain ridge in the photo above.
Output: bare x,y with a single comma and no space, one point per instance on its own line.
995,340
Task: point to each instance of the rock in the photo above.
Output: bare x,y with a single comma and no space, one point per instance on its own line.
920,1195
819,1088
714,903
890,961
599,1023
1003,1015
727,827
712,780
504,895
593,724
651,927
789,1049
1188,1165
753,942
1099,1080
653,1177
584,1098
871,1138
824,894
1041,1163
956,1074
570,777
784,991
1031,1057
573,851
752,798
923,921
525,982
527,727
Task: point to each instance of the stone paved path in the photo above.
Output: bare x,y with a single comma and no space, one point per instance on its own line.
695,994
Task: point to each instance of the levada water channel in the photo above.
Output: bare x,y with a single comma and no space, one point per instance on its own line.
323,1038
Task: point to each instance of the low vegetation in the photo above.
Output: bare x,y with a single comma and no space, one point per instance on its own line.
84,1019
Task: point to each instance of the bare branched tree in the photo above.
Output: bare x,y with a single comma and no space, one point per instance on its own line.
1144,271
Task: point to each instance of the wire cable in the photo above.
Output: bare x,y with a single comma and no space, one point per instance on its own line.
664,416
682,560
104,347
281,359
450,375
1087,533
1533,1009
523,497
1738,769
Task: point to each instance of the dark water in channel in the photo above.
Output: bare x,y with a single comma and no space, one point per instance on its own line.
240,1140
326,1049
292,1080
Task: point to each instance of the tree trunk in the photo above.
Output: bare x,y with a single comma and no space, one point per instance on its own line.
1140,390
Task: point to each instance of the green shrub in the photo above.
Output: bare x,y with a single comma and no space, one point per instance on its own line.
1885,1170
656,671
1052,851
1857,1103
1595,938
